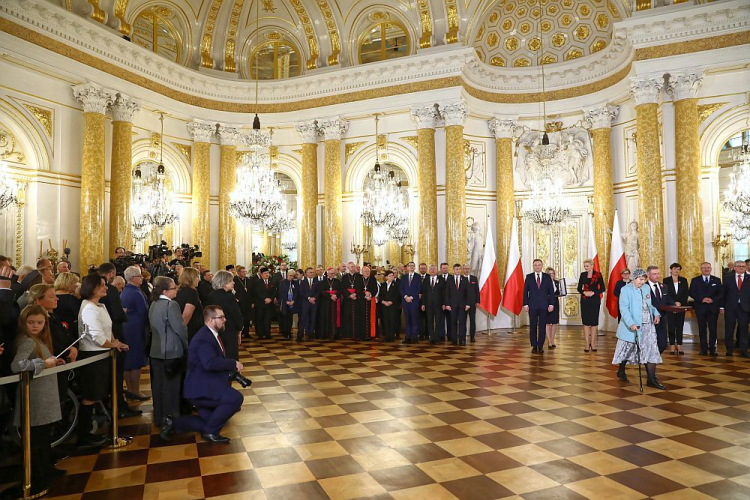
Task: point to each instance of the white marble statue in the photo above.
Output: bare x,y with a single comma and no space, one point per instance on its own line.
630,241
475,247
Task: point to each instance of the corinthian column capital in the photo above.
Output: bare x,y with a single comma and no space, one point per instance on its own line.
503,127
646,89
229,135
602,116
93,97
334,128
124,108
201,131
308,131
685,84
426,116
454,113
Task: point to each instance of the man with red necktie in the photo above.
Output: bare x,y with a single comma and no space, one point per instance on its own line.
538,301
263,294
736,308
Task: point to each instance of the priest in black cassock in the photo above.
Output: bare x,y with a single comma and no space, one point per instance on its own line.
370,286
353,306
329,307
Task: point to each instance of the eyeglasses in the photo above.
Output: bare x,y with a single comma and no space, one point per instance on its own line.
173,288
219,317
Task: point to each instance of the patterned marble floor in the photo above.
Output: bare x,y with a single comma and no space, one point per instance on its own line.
490,420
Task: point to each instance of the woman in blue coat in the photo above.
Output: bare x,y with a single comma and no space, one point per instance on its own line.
636,333
136,308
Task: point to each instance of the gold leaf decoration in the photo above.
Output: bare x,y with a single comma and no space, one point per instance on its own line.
705,110
352,148
571,307
44,116
185,150
410,140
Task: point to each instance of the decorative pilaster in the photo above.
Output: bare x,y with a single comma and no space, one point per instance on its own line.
684,88
646,92
121,177
601,119
504,129
454,115
229,139
200,232
426,118
95,101
333,130
308,244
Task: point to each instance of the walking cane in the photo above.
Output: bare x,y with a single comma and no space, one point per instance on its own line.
638,356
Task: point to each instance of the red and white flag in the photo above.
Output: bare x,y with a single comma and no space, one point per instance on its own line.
617,263
489,281
593,253
513,293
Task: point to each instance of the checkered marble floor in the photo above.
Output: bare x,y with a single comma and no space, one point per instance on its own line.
346,420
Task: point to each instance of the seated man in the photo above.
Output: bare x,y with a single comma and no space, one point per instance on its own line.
207,383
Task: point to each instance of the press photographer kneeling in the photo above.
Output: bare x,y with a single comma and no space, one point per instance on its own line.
208,383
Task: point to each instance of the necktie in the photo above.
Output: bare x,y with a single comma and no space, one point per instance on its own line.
432,282
410,275
266,283
221,343
705,280
656,291
739,283
457,278
538,281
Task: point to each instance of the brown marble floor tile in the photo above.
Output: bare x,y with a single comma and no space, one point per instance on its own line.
230,482
398,478
646,482
278,456
563,471
491,461
477,488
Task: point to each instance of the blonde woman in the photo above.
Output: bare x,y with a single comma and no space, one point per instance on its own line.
67,288
189,301
553,318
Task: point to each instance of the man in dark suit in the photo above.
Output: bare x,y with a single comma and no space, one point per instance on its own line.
659,297
207,383
263,294
244,297
289,301
308,298
35,277
707,293
280,275
444,274
320,273
473,298
422,314
204,285
410,288
456,303
11,311
736,308
433,296
538,301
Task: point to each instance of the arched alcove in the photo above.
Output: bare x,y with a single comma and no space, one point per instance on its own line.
177,169
364,160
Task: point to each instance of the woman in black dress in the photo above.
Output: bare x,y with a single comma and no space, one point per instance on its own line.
590,286
677,288
68,301
553,318
189,301
222,296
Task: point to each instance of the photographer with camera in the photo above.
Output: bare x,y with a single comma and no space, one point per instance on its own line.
122,261
208,383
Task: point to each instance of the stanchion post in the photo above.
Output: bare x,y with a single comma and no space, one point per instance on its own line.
117,441
26,432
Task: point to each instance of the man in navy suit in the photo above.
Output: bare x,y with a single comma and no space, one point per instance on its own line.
288,298
410,288
659,298
538,301
472,300
736,308
433,295
456,303
308,297
707,292
207,384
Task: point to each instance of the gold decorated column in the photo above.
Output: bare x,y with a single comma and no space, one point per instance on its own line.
333,130
229,139
690,250
200,232
426,119
454,115
307,248
604,194
503,128
646,92
94,100
121,177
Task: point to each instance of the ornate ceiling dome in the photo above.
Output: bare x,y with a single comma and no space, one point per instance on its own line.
509,35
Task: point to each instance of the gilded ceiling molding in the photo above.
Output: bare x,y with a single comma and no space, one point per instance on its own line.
333,32
97,14
690,46
706,110
185,150
208,34
351,148
307,27
425,23
44,116
231,45
121,6
451,12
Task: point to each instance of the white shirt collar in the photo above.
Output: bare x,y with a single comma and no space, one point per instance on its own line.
162,296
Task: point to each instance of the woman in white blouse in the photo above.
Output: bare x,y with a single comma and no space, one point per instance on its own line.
95,329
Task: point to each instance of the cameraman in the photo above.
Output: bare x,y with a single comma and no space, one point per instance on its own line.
208,383
158,267
122,261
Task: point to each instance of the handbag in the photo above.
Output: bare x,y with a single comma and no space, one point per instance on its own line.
172,366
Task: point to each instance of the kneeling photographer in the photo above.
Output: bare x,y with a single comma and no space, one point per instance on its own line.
208,383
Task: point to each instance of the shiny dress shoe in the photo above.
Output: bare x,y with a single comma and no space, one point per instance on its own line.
473,340
534,350
405,342
703,353
655,384
135,397
730,353
714,353
129,413
56,473
92,441
167,428
215,438
541,351
462,342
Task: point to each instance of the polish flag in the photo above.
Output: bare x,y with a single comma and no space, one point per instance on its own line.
513,294
593,254
489,281
617,263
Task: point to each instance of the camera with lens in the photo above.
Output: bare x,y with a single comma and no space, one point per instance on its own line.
159,251
190,253
240,379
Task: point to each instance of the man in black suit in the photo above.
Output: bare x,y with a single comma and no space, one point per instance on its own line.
36,276
204,285
320,273
538,301
433,295
659,298
244,297
280,275
263,294
288,298
308,297
444,274
422,313
707,292
473,297
736,308
10,308
456,303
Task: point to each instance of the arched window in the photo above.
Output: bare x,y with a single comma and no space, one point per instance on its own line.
153,31
386,40
276,59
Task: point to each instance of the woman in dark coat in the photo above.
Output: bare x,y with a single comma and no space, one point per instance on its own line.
222,296
591,288
553,318
136,308
677,288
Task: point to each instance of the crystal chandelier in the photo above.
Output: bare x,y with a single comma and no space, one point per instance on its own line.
8,188
737,196
379,236
257,196
139,207
399,230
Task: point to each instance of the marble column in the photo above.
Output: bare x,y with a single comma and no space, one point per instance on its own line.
95,101
454,114
646,91
333,130
229,139
601,119
308,244
690,250
504,129
426,118
200,232
121,177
